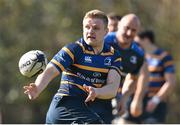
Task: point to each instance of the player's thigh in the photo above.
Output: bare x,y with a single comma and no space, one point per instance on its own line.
67,110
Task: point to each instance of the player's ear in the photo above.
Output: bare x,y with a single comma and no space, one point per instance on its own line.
107,30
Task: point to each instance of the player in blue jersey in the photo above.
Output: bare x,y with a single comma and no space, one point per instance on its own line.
113,20
132,56
90,69
161,81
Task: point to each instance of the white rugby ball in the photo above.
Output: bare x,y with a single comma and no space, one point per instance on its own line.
32,63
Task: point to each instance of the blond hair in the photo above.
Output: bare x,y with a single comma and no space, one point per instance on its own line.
97,14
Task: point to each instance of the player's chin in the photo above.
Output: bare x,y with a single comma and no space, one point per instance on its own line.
91,42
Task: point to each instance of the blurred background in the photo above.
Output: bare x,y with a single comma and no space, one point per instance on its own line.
48,25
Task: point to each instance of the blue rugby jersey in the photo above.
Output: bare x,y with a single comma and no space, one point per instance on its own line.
159,63
79,65
132,58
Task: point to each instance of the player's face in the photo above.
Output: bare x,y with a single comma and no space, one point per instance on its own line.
127,30
112,25
94,31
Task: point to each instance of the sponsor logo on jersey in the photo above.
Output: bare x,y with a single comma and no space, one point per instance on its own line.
107,61
97,74
133,59
88,59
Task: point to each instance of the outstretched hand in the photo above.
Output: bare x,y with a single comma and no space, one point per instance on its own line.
91,93
31,90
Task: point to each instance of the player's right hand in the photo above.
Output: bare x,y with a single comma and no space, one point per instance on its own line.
31,90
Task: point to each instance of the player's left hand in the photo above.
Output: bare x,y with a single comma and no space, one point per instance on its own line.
91,93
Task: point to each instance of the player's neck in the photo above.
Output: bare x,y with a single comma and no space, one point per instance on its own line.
124,45
98,49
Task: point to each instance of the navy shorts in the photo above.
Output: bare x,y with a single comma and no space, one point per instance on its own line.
158,116
103,108
69,110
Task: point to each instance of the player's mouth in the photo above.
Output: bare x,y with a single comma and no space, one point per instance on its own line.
91,37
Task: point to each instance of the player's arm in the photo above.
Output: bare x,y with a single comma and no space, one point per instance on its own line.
166,89
129,85
142,83
62,60
34,89
106,92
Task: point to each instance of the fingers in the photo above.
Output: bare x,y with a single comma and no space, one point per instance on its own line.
91,93
30,90
87,88
90,98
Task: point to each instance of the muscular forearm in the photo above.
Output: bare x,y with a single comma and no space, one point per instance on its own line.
128,86
106,92
44,78
142,83
109,90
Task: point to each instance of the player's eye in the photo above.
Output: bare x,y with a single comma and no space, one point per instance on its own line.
96,28
87,27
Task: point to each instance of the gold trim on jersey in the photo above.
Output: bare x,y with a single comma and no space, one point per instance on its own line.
156,79
154,68
79,86
92,52
118,59
68,73
168,63
98,85
108,53
91,68
81,45
69,53
58,64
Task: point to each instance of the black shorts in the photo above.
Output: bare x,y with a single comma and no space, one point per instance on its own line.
69,110
158,115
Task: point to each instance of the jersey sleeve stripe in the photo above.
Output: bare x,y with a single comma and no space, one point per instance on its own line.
68,73
69,53
58,64
154,69
156,79
91,68
169,63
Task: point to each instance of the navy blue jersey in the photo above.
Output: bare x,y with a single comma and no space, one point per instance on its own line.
132,58
79,65
159,63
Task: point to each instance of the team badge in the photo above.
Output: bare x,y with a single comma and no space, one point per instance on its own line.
107,61
133,59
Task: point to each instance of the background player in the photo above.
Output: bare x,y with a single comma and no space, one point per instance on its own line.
132,56
161,81
113,20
